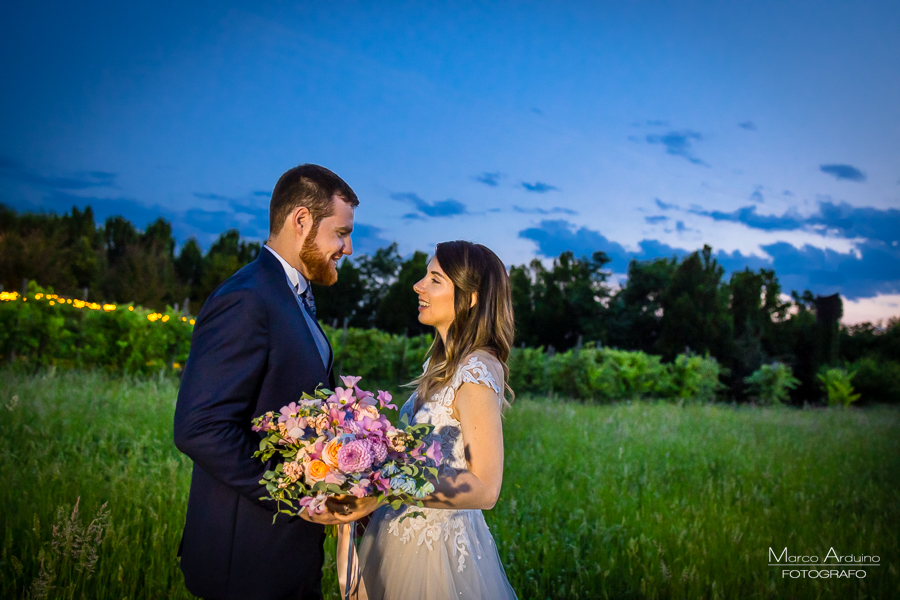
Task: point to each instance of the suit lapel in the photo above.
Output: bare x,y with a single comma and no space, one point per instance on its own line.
278,281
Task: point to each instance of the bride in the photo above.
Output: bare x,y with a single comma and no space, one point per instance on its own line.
449,553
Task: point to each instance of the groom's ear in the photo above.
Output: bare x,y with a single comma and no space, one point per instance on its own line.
301,221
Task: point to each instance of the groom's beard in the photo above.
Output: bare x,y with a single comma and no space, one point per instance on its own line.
321,269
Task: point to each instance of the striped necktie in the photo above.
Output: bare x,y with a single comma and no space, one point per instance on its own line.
308,301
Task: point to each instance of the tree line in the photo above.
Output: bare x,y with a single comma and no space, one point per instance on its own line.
667,306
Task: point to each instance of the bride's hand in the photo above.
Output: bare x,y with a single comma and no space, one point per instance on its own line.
344,509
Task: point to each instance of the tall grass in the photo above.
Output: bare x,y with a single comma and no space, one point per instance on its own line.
626,500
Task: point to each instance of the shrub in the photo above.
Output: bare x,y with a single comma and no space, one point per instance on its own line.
838,387
877,379
772,384
569,373
528,370
696,378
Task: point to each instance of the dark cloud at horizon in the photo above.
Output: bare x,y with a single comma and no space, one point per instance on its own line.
679,143
14,171
654,219
491,179
847,172
873,269
539,187
440,208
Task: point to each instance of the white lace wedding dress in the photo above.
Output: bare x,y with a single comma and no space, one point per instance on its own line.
448,553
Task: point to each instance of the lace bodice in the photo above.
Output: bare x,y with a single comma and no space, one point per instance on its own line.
438,411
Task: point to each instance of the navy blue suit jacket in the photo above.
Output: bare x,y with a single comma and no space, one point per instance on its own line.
251,352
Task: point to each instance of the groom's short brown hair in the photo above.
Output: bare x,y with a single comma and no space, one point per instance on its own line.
311,186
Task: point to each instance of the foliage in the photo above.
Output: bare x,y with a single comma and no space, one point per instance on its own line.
560,305
771,384
46,330
605,375
838,386
667,306
695,309
877,379
669,502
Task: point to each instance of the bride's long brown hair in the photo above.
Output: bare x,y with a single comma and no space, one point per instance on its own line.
488,325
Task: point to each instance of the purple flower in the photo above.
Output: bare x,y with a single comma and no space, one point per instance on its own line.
354,457
315,505
342,396
350,381
434,452
287,411
361,488
384,398
378,450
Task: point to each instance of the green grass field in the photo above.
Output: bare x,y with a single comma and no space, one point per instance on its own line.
633,500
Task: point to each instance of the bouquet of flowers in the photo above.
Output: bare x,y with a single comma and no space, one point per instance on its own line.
337,442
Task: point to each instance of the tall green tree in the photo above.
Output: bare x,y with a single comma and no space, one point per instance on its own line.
634,319
399,309
695,316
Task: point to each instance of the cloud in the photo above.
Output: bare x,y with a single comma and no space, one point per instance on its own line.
544,211
843,172
840,219
873,269
539,187
14,171
757,196
664,205
441,208
679,143
491,179
205,196
680,227
748,125
262,194
653,220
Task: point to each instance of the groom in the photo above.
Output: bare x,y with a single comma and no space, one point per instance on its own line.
256,347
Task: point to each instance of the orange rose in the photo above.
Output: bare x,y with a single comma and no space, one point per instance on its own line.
316,470
329,455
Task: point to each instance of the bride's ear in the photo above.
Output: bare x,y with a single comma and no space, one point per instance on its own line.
474,300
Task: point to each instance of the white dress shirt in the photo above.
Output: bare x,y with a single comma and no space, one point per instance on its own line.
298,285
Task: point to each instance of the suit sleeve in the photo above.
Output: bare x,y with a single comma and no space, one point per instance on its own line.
223,375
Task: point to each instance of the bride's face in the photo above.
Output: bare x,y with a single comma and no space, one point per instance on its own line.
435,292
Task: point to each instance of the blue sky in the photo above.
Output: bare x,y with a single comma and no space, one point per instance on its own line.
769,130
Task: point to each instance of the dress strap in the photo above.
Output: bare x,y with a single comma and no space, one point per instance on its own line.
476,372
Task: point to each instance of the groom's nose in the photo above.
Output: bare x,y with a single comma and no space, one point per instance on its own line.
348,247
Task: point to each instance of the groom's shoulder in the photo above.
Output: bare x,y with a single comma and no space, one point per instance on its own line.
246,286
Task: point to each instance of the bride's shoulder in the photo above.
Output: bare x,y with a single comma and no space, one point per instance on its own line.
480,367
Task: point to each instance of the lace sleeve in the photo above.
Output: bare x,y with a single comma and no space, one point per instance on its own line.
475,371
